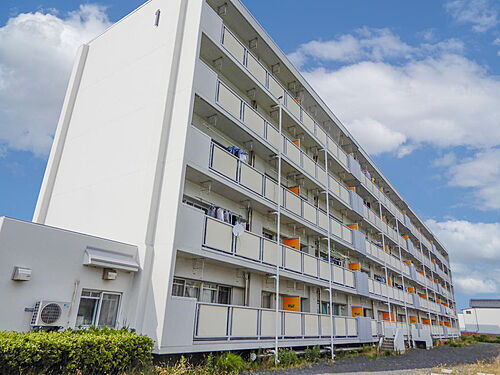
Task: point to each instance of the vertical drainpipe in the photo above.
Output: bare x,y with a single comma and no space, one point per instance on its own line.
403,280
425,283
278,250
328,240
385,262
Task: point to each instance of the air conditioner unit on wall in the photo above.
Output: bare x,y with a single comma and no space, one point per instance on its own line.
50,314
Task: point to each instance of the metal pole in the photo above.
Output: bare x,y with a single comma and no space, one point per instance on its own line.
329,254
403,280
278,244
385,262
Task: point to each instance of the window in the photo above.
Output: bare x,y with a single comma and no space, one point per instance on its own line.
339,309
202,291
98,309
178,287
468,312
266,300
209,293
224,295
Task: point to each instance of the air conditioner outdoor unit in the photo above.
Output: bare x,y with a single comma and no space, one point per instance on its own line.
50,314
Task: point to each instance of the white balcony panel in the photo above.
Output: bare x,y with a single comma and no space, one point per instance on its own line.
276,88
293,324
374,328
225,163
308,122
212,321
270,250
349,278
272,190
324,271
293,152
293,202
268,323
343,157
340,326
321,135
218,235
346,234
332,147
383,289
338,275
273,136
248,245
311,325
229,101
254,121
234,46
326,325
376,288
370,286
293,259
310,213
251,179
322,220
321,175
256,69
344,194
352,329
336,228
293,107
244,322
309,165
310,265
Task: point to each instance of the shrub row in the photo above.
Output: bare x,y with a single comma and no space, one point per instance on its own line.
93,351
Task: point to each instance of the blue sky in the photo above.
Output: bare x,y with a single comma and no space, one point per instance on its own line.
416,82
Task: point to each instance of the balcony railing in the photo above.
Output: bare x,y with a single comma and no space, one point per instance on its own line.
243,174
227,322
255,122
384,257
274,87
219,236
384,290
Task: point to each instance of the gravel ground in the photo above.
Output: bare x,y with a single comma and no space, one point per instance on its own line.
415,361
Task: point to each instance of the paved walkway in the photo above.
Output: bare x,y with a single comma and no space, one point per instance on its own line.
415,361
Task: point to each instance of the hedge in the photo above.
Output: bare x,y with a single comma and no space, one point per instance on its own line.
85,352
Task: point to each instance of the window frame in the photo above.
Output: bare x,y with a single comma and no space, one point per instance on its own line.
97,313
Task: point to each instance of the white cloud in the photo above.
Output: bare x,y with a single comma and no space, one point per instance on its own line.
36,55
474,255
446,100
482,173
446,160
367,44
481,14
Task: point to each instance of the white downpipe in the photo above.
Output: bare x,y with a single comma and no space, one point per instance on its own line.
278,251
385,264
403,280
329,255
425,283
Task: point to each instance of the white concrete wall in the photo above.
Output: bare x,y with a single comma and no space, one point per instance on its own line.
56,259
480,320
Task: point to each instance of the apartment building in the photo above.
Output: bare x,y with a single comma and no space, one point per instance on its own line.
255,218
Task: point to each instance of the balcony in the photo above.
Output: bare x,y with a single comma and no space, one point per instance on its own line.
225,322
219,236
384,290
386,258
269,83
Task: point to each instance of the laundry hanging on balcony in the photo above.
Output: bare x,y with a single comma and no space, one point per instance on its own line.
238,152
224,215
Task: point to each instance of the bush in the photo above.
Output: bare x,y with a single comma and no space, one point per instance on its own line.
229,363
287,357
313,354
93,351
